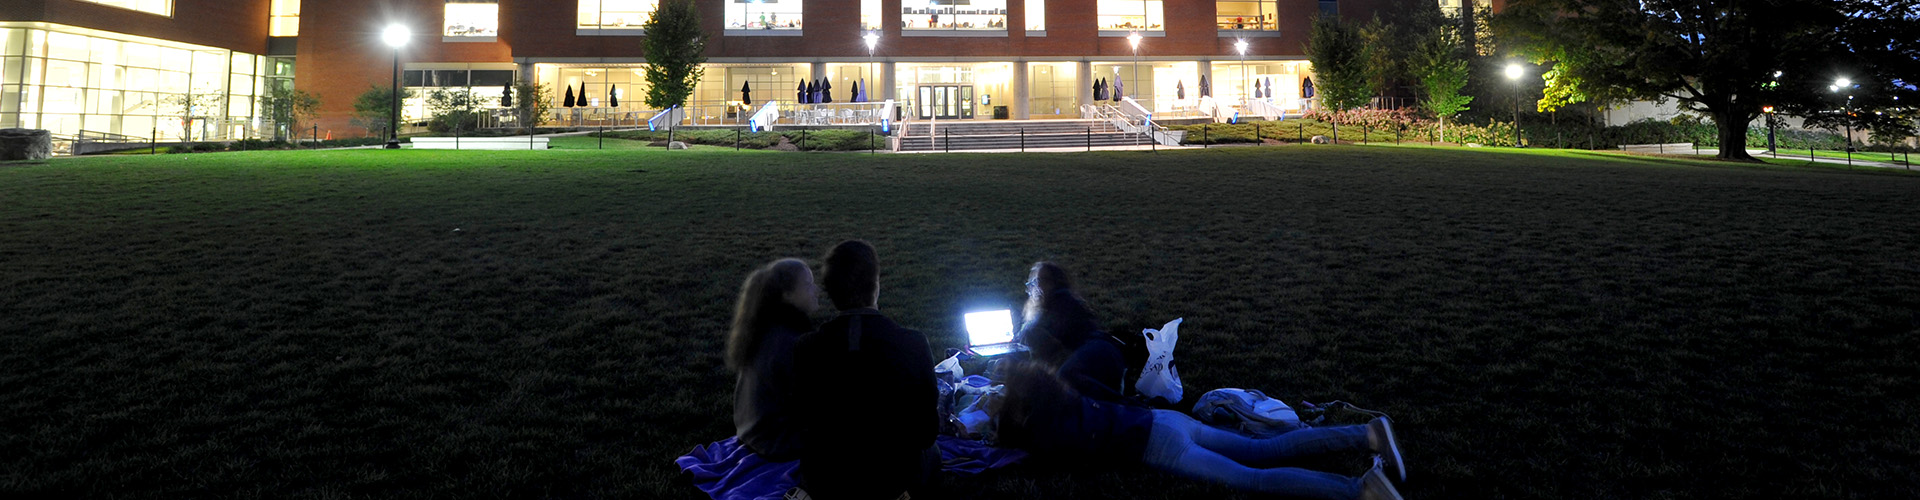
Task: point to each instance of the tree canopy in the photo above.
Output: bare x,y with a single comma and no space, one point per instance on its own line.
1713,56
1340,72
675,49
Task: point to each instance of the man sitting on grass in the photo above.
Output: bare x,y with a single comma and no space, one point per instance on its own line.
866,395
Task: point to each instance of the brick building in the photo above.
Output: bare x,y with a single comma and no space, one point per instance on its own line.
195,68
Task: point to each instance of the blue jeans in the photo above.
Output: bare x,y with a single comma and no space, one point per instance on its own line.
1184,446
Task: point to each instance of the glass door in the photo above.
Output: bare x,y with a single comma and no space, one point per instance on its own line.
945,102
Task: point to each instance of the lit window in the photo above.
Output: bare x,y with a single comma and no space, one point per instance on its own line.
769,15
615,14
285,20
473,18
1247,15
1329,8
917,15
161,7
1143,15
1036,15
870,15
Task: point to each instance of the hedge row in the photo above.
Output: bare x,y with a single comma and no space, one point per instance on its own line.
1570,136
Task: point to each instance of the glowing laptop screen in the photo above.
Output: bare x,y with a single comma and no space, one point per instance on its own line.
990,327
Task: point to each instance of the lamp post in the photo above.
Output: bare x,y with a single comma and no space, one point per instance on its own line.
1514,71
1768,109
1241,47
396,36
873,40
1133,39
1847,119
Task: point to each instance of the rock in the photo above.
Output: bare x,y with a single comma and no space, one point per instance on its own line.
25,144
785,145
676,145
1473,144
1321,139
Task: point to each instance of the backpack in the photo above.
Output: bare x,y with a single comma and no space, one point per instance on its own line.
1247,411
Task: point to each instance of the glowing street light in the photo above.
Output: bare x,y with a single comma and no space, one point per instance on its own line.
1514,72
1133,39
872,38
1846,85
1241,47
396,36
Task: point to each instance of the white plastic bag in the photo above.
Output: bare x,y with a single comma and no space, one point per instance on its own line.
1159,379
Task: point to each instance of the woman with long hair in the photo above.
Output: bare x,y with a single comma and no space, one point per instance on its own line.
773,311
1060,331
1045,416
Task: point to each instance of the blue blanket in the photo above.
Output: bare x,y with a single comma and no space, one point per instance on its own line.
727,470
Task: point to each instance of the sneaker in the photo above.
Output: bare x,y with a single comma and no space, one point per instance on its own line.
1380,438
1375,486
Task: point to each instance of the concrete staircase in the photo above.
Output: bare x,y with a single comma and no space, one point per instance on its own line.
977,135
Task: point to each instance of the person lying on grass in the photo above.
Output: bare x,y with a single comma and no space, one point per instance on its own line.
1046,417
772,313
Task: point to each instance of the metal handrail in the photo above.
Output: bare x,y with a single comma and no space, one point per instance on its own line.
765,117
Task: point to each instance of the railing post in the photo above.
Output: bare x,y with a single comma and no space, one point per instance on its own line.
736,139
1300,135
1089,138
1203,136
1256,134
946,136
1023,139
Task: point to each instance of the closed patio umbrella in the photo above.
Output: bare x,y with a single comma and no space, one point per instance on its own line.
570,100
506,96
1179,89
800,93
746,94
856,92
1206,89
1119,88
826,91
613,96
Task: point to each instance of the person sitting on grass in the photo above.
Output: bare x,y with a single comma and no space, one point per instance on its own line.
772,313
1043,415
867,396
1060,330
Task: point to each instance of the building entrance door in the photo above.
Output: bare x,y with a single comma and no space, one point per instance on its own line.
945,102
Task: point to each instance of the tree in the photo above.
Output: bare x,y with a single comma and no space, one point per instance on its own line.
675,49
453,110
373,109
1713,56
1440,68
534,104
286,107
193,106
1380,55
1340,74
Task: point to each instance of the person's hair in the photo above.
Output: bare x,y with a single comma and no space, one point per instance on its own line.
762,306
1030,385
851,276
1067,320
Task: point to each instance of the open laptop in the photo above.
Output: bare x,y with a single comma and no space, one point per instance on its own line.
990,333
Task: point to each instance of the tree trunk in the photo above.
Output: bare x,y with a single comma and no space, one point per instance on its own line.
1733,137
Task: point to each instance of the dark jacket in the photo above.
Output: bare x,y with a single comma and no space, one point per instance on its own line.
1056,424
1097,369
866,400
763,415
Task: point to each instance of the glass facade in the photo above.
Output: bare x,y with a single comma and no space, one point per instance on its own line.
1053,90
161,7
471,19
1247,15
73,80
615,14
487,82
951,15
1234,81
284,18
1140,15
747,16
1036,15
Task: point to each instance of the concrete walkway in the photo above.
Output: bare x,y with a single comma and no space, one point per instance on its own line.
1762,153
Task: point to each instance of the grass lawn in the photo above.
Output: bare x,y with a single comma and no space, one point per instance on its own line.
515,324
